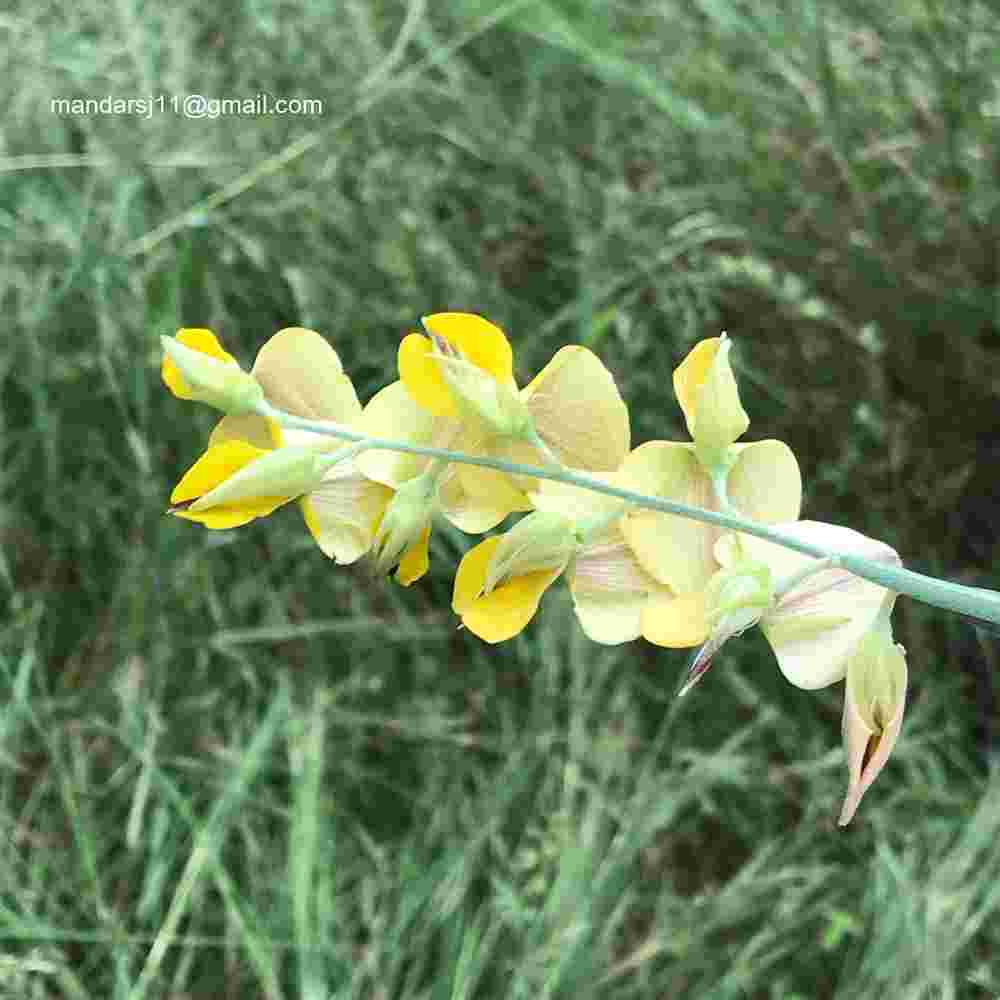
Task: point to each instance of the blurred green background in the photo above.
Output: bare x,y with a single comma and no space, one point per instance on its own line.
230,768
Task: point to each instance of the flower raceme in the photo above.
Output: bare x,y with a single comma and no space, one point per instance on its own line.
632,570
456,389
823,624
252,465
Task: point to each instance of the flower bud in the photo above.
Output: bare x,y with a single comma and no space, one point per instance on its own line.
874,699
707,392
734,599
404,531
539,541
235,482
196,367
286,472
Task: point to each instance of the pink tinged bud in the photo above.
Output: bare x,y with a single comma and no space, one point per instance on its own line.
874,700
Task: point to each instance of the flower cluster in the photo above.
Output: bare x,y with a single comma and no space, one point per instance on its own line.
632,571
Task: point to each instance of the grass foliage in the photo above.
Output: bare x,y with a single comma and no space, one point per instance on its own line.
229,768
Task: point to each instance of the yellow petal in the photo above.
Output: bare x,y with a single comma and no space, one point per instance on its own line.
480,342
216,465
234,514
492,489
301,374
469,514
677,622
765,484
198,340
416,559
578,411
506,610
675,550
420,373
471,574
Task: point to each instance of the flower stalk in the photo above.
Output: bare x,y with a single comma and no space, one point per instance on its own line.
974,602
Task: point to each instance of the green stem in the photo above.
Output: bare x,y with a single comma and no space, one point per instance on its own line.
973,601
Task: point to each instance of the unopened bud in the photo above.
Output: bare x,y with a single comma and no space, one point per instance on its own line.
195,367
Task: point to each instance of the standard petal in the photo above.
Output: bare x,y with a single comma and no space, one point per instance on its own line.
610,589
491,488
301,374
343,512
392,413
578,410
675,550
765,484
261,432
576,502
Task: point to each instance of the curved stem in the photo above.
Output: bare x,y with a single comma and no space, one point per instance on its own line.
971,601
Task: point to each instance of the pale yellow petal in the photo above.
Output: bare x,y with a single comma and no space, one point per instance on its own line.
578,410
675,550
261,432
489,487
343,512
301,374
576,502
392,413
676,623
765,484
610,589
690,375
469,514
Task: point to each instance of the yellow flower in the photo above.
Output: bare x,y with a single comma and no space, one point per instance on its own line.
196,367
501,580
457,390
815,625
609,586
764,484
812,614
252,465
